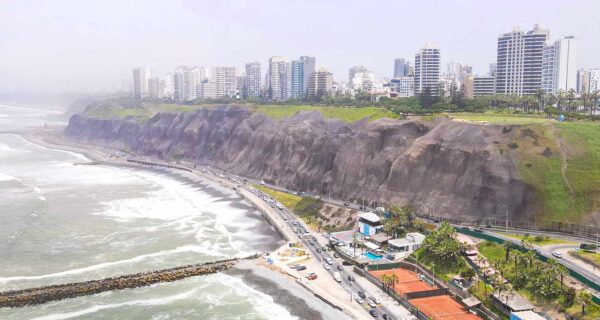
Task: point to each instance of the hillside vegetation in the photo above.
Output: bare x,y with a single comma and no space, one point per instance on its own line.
562,162
276,112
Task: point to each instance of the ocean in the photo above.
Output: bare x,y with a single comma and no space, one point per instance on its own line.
61,221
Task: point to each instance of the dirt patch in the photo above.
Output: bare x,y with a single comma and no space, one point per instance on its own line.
338,218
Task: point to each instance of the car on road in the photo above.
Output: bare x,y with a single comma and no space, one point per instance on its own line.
285,218
557,254
385,316
350,278
346,263
294,266
340,268
373,313
326,266
375,300
478,230
336,255
359,300
295,230
361,294
312,243
324,249
337,276
372,303
311,276
346,204
318,250
301,267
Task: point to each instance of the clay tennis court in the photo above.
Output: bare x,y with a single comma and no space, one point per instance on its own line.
442,308
408,281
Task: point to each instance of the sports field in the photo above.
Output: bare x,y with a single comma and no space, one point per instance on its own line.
443,308
407,282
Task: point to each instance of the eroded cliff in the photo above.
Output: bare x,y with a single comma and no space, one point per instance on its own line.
446,168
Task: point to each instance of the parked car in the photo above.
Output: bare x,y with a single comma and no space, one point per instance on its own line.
329,261
346,263
362,294
350,278
375,300
324,249
301,267
311,276
340,268
373,313
312,243
294,266
386,316
336,255
359,300
318,250
326,266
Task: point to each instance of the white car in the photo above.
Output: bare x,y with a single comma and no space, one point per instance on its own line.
557,254
359,300
372,303
329,261
326,266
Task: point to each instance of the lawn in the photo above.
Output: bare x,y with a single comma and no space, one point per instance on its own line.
501,118
589,257
346,114
491,251
288,200
544,241
140,115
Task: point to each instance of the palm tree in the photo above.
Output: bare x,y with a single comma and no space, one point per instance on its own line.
507,245
394,280
385,281
531,257
540,96
584,298
562,272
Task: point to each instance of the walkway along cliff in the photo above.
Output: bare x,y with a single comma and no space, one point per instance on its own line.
19,298
447,168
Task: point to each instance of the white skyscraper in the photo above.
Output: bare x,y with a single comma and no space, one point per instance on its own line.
594,82
277,86
559,66
519,61
253,79
427,69
224,79
140,82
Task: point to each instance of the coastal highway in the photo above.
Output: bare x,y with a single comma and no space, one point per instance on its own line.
351,287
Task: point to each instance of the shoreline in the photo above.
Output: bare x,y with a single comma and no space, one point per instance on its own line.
52,138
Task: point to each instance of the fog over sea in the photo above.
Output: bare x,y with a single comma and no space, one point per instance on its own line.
61,222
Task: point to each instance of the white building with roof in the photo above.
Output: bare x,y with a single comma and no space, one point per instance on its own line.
410,243
369,223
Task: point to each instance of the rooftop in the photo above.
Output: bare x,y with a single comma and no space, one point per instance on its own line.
528,315
515,302
369,216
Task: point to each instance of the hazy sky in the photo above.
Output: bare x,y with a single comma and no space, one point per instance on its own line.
93,45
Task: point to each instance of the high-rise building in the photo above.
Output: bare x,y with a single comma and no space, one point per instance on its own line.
224,80
519,61
594,81
253,79
154,88
583,81
241,84
168,86
427,69
320,83
484,86
403,86
492,69
140,82
559,66
301,70
277,76
401,68
187,82
352,73
467,81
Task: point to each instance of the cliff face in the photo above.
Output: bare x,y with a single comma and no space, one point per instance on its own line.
446,168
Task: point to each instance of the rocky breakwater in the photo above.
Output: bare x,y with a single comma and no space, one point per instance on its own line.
31,296
446,168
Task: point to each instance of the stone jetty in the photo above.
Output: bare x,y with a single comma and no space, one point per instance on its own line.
32,296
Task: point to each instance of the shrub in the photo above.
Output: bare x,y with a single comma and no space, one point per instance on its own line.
513,145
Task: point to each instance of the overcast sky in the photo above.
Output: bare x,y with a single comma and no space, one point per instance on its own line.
93,45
